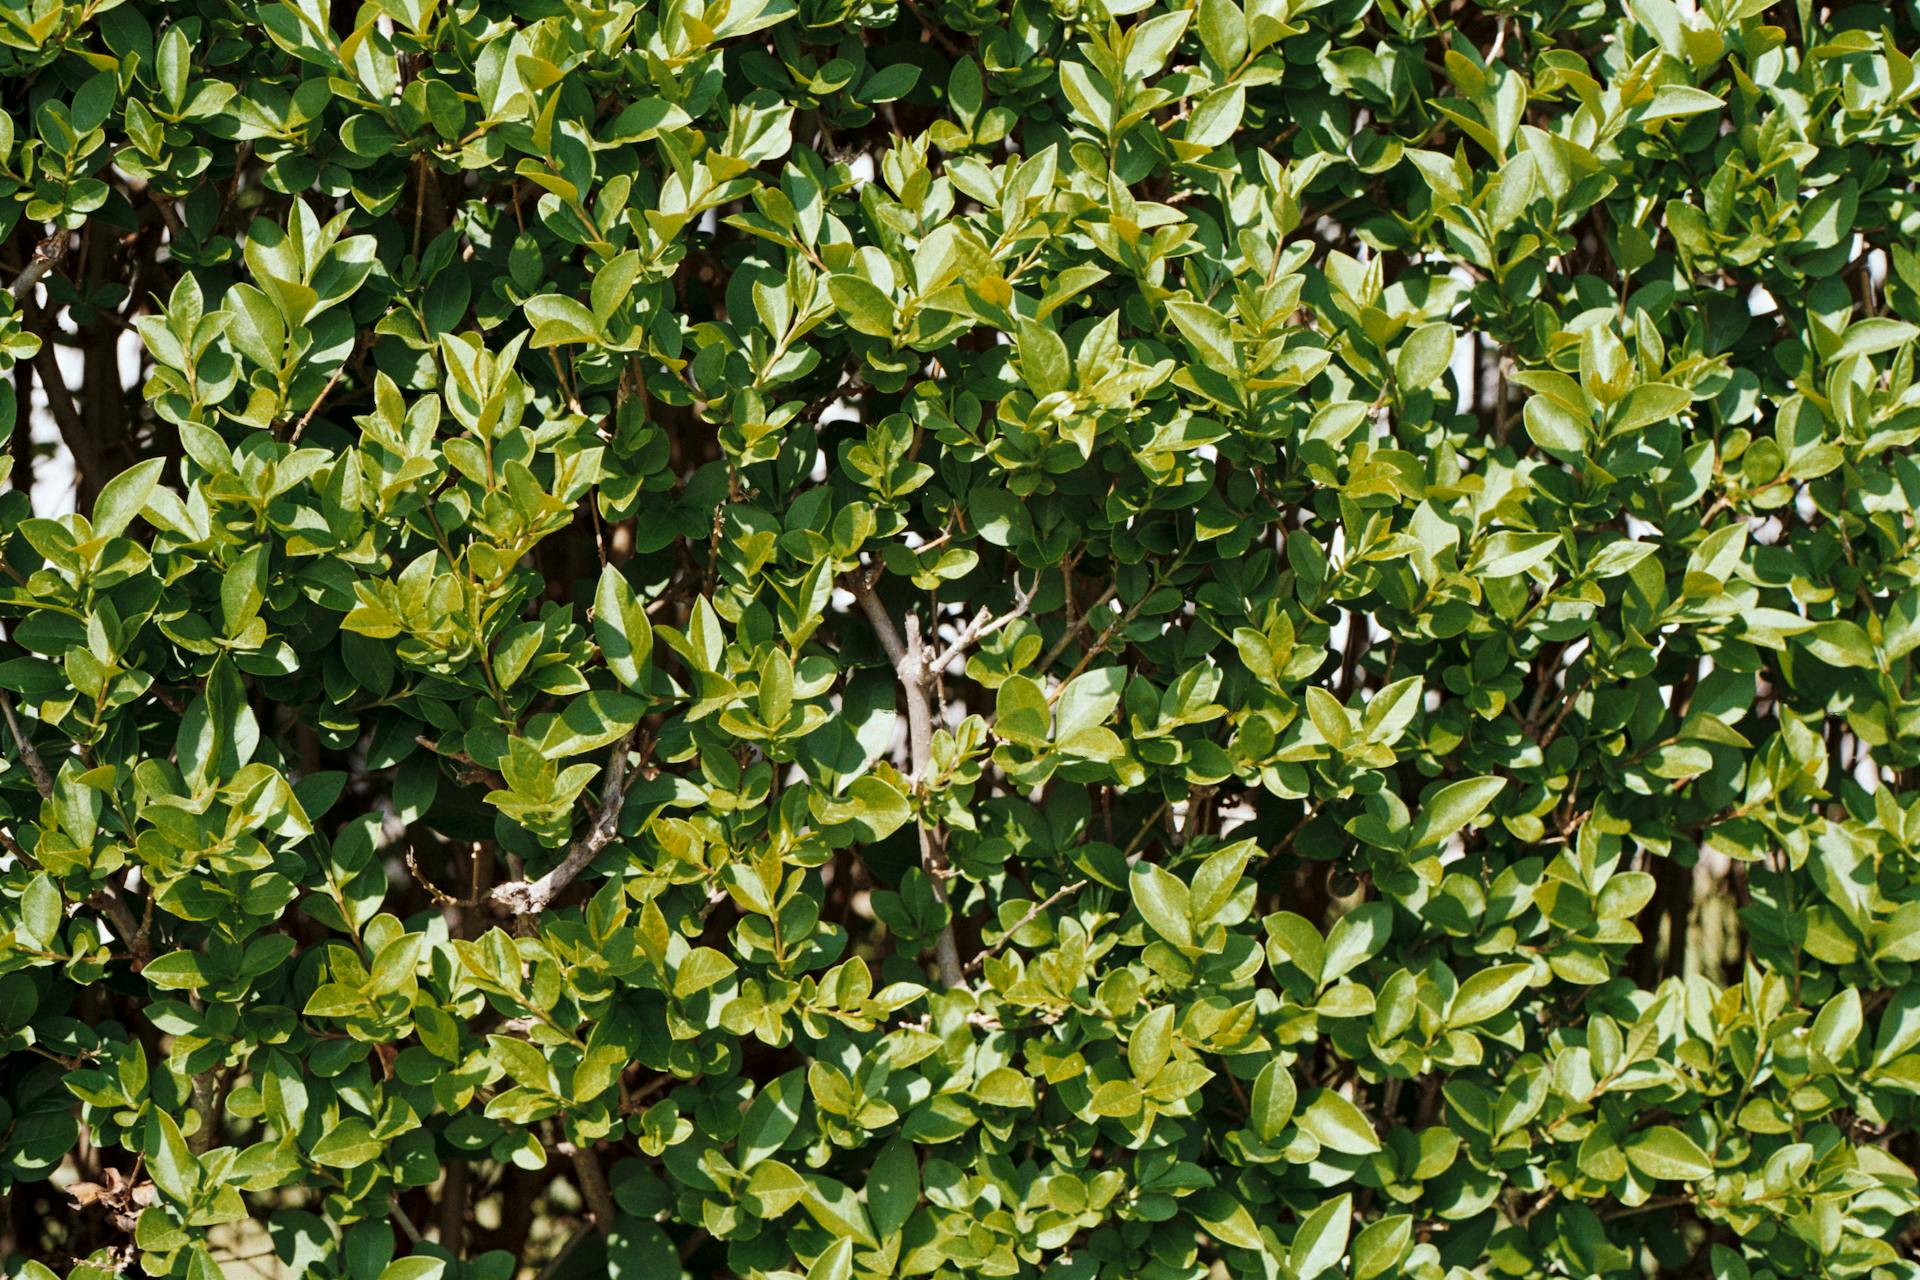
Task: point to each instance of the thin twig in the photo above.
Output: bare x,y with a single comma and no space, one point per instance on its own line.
406,1223
1130,855
1080,625
1038,909
440,896
983,625
530,897
42,780
314,408
1286,841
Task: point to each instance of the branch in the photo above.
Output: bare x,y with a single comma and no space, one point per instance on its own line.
910,665
565,1251
1080,624
593,1186
862,588
113,900
42,780
1034,913
530,897
46,255
440,896
319,400
985,624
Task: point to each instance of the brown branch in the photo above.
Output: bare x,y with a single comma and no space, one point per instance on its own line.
36,768
983,625
1038,909
910,665
1131,855
440,896
113,900
593,1188
531,897
314,408
1080,624
559,1259
46,256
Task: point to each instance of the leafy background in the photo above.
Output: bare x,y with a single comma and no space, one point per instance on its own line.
1093,639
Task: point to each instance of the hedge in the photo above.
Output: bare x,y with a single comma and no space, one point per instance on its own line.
1087,639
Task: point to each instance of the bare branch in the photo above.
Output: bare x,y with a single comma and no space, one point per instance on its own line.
42,780
530,897
314,408
983,625
440,896
862,588
1080,624
113,900
910,664
1034,913
593,1186
46,255
1131,854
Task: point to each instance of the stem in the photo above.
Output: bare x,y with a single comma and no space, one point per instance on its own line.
46,255
530,898
910,665
42,780
593,1189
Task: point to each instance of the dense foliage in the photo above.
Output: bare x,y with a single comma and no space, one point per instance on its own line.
1090,639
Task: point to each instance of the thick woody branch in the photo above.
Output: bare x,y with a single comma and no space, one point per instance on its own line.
113,900
530,897
593,1187
46,255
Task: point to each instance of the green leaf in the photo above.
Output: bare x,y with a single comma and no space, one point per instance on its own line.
1356,938
1672,101
1272,1101
837,1209
40,911
1321,1240
1423,358
1664,1152
1338,1124
590,722
124,497
893,1188
347,1145
1648,403
174,1170
1507,553
1162,900
414,1268
621,628
1554,425
1208,332
1453,807
1381,1246
1873,335
770,1118
1488,993
1087,701
864,308
702,968
560,321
